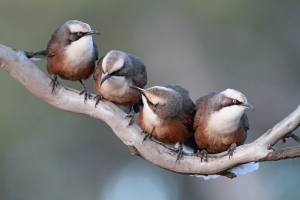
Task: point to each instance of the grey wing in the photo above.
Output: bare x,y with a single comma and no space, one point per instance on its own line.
139,73
189,113
201,105
96,53
245,121
98,70
182,91
188,104
50,51
52,46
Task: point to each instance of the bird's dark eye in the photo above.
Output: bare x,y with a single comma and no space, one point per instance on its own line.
80,34
152,106
236,102
118,72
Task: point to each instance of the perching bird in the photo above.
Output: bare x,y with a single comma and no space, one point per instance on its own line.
220,122
71,53
167,114
116,72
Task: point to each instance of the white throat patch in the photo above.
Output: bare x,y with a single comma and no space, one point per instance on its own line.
80,51
149,115
115,85
226,120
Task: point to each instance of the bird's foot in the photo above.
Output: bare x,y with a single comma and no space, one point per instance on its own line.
147,136
86,93
53,83
202,154
131,117
231,149
98,98
179,152
143,132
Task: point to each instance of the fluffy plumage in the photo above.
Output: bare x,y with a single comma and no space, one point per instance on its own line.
167,114
221,121
115,73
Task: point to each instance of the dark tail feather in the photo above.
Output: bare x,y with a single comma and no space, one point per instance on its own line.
190,142
136,107
36,55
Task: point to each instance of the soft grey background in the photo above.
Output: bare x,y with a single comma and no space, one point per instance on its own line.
251,46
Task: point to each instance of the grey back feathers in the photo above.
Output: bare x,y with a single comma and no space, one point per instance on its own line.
206,105
139,77
188,105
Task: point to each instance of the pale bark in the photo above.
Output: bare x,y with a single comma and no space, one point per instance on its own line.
37,82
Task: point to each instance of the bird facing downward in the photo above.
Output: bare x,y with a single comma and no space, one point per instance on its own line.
220,121
167,114
116,72
71,53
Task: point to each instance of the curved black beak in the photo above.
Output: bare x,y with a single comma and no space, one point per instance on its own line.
93,32
141,90
106,76
248,105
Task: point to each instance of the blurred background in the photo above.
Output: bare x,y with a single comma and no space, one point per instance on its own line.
204,46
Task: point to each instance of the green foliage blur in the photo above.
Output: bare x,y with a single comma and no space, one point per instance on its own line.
204,46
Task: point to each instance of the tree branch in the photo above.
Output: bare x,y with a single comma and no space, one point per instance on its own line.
37,82
280,154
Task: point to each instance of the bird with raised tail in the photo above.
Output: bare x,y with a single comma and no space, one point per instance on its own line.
167,114
71,54
116,72
220,122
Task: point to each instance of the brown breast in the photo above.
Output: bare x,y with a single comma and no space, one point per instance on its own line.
170,132
215,143
57,66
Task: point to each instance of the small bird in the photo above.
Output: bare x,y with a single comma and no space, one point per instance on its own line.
167,114
71,54
220,122
116,72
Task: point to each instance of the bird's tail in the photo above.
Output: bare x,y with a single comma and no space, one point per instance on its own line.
190,145
40,55
136,106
